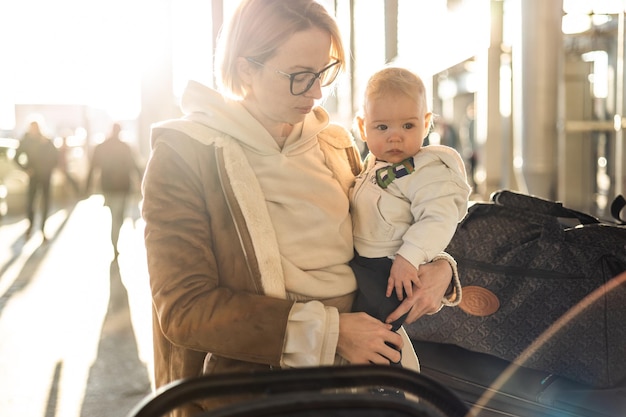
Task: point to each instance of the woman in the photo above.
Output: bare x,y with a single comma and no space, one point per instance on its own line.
248,232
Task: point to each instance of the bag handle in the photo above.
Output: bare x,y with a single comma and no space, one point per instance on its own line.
566,216
618,209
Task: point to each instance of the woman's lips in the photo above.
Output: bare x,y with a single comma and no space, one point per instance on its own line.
304,110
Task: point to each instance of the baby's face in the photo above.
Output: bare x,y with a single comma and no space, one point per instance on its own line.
394,126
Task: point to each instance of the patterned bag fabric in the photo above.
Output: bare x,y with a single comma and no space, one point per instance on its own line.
540,288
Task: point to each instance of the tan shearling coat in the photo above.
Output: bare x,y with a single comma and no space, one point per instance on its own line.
201,206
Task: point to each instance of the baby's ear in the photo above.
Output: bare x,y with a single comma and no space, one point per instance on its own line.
428,121
360,122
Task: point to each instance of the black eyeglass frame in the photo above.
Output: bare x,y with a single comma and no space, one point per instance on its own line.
292,77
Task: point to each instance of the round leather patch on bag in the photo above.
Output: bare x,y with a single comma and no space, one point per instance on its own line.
479,301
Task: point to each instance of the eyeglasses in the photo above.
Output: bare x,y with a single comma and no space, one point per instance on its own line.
302,81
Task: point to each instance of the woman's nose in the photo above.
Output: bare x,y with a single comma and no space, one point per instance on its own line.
315,91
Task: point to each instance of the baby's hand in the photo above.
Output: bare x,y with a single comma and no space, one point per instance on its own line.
402,277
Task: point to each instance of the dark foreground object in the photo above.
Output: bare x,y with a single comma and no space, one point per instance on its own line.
321,391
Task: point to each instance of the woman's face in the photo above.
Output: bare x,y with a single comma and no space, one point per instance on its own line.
269,98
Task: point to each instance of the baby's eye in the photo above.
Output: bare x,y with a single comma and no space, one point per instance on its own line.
408,126
381,127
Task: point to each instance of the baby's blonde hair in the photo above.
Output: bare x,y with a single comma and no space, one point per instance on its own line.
396,80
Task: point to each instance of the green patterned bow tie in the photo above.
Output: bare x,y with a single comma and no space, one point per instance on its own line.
386,175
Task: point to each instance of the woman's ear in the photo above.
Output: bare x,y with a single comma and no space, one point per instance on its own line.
244,70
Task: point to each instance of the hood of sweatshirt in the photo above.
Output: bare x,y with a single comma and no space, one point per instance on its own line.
208,107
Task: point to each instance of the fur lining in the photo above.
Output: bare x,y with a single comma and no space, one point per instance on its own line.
334,141
249,196
457,295
252,203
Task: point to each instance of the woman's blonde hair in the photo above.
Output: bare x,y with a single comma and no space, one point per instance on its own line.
396,80
259,27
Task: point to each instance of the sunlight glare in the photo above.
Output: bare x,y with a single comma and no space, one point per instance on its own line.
72,52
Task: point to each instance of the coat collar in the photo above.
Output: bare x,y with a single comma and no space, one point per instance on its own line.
240,177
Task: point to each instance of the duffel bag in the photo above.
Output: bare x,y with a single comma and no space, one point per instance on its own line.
539,289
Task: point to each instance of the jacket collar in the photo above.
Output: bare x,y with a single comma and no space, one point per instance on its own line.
237,175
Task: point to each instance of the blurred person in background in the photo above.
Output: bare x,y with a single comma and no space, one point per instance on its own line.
468,139
38,156
116,164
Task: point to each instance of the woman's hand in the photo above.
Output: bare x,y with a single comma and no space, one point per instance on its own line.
362,340
435,278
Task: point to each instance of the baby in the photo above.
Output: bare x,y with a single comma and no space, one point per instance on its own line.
407,201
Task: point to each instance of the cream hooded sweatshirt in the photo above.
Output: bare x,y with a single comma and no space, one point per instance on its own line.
308,210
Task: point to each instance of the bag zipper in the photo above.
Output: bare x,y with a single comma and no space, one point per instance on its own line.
513,270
